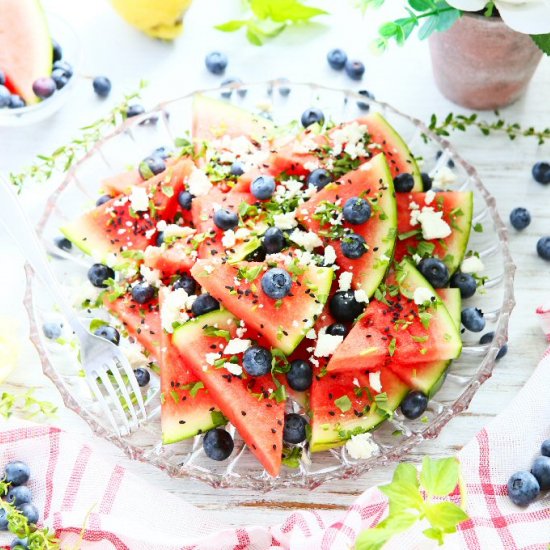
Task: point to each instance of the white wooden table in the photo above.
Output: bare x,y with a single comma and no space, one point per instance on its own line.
401,77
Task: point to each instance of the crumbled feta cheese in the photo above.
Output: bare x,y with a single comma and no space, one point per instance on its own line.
374,381
443,177
285,221
152,276
344,281
178,231
161,225
233,368
237,345
429,197
134,354
311,165
208,269
242,233
348,138
198,183
422,295
240,332
211,358
308,240
304,257
416,258
433,225
304,146
361,446
139,199
329,256
228,239
356,382
173,309
361,296
472,265
311,334
327,344
150,233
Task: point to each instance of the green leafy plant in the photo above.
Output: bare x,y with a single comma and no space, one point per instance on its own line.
268,18
411,499
66,155
26,405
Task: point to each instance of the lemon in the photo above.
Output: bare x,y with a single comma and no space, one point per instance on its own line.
9,349
156,18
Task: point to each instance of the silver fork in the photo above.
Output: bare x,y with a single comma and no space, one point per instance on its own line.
99,357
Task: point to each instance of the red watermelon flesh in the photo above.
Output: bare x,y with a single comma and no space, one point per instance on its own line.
457,208
373,182
245,402
121,184
170,259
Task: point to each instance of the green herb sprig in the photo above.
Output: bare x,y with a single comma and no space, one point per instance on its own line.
66,155
408,505
26,405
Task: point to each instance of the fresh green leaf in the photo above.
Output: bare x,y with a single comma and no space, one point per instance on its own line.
542,41
218,418
231,26
439,477
97,323
445,516
343,403
420,5
292,456
406,473
403,495
375,537
210,330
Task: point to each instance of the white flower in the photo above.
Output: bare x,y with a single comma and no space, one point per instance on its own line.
526,16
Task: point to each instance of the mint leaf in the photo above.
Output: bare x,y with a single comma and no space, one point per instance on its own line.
375,537
231,26
439,477
445,516
406,473
343,403
218,418
403,496
97,323
542,41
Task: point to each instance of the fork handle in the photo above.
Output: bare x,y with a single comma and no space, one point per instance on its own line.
19,227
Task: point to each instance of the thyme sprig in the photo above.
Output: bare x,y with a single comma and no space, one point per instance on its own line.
452,122
66,155
26,405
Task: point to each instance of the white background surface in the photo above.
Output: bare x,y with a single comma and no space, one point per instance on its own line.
402,77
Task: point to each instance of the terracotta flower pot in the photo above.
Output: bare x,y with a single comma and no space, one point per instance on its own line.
480,63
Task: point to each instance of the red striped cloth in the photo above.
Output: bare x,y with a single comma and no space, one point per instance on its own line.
80,494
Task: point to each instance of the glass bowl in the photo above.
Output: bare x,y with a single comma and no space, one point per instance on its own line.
63,33
130,143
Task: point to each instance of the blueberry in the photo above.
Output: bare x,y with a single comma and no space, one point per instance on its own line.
353,246
99,273
204,304
3,520
294,430
16,102
450,162
160,238
541,471
19,495
355,69
520,218
63,243
312,116
541,172
319,177
162,152
488,338
300,375
435,271
356,210
218,444
102,86
523,488
284,89
363,105
187,283
2,78
237,169
5,97
414,405
185,199
473,319
263,187
337,58
19,544
216,62
151,166
230,84
337,329
545,448
257,361
52,331
60,78
63,66
103,199
543,248
273,240
403,183
134,110
276,283
109,333
57,51
225,219
344,307
143,377
16,473
44,87
427,181
465,283
30,511
143,293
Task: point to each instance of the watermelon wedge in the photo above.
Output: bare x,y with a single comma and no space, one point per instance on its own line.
245,402
122,183
176,257
396,329
373,182
282,323
457,209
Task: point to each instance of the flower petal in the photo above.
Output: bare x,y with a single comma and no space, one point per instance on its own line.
528,18
467,5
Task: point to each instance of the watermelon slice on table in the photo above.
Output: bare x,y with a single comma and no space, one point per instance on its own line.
187,409
373,182
114,226
282,323
457,209
395,328
245,402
